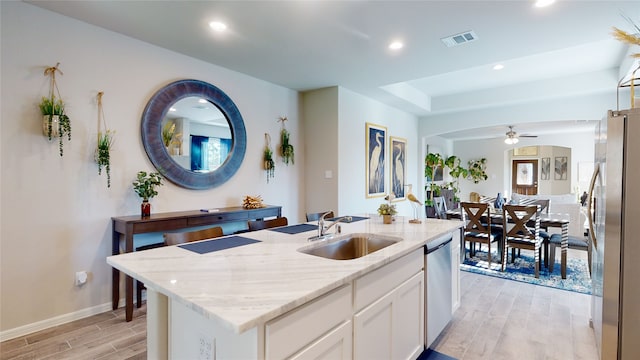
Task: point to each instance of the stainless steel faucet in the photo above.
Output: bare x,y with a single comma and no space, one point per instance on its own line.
322,228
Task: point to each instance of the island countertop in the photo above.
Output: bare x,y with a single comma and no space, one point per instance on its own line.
248,285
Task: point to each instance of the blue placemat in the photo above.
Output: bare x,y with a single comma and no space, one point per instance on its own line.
295,229
353,219
208,246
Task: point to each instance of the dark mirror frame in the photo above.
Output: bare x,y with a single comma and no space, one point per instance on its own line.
151,129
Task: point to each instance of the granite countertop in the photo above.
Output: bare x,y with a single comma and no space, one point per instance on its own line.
245,286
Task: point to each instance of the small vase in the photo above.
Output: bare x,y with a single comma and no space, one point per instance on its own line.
145,208
386,219
55,119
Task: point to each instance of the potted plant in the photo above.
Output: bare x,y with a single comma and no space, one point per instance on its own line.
387,211
145,186
477,170
456,172
103,157
55,123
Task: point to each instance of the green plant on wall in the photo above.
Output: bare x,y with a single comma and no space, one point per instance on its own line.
53,110
269,164
431,163
477,170
286,149
456,171
103,157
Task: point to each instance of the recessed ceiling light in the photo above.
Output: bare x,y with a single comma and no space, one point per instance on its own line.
543,3
202,101
498,67
396,45
172,109
218,26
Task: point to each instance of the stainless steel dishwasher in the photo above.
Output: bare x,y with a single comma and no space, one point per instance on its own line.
438,276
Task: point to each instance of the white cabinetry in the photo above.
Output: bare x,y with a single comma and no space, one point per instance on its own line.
317,329
455,271
389,305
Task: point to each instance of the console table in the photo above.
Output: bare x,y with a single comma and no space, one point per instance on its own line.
136,224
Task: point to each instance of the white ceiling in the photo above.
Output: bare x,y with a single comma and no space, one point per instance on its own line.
306,45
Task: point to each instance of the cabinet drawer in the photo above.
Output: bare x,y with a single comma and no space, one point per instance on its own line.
153,226
296,329
263,213
375,284
218,218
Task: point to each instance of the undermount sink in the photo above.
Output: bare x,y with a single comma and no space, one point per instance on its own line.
350,246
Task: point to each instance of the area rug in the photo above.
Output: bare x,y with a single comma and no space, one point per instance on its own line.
522,270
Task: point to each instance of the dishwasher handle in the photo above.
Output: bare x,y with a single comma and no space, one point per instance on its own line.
437,244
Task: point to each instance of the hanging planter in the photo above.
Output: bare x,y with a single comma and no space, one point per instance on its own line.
55,122
477,170
286,149
269,164
105,142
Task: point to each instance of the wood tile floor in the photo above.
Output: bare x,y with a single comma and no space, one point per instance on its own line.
103,336
498,319
503,319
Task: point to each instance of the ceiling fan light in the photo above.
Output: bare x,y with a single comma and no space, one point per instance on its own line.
511,140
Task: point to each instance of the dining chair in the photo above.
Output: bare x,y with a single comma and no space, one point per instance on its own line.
440,204
175,239
519,235
478,228
575,242
266,224
316,216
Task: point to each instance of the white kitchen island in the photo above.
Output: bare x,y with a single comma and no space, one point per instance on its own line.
267,300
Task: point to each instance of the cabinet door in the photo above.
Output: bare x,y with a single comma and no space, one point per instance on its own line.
372,330
455,271
336,345
408,318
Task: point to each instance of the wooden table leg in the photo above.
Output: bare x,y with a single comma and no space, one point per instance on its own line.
564,247
115,273
129,297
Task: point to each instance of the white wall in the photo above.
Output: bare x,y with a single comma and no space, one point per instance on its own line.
56,211
354,112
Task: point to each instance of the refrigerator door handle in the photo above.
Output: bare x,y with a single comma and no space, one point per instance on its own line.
590,210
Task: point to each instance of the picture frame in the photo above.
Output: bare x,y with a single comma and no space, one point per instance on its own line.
560,169
545,169
525,174
375,159
398,167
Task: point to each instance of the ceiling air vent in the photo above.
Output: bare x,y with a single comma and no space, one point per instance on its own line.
459,39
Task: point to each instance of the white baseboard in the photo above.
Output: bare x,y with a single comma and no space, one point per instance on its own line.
55,321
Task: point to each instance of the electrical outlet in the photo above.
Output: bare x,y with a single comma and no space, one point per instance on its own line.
207,347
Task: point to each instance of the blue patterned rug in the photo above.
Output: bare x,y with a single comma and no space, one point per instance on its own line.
577,280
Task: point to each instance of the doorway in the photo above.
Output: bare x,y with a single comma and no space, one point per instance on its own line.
524,177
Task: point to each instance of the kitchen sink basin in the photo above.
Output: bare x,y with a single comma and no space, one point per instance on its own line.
350,246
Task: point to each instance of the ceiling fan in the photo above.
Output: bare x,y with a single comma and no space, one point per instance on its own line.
512,136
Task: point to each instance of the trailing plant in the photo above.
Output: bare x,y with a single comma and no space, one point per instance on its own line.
103,157
51,106
477,170
431,163
456,172
145,184
269,164
286,149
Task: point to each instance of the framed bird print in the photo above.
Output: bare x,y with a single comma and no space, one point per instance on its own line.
398,162
376,145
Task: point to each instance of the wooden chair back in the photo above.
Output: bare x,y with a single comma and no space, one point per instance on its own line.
474,197
477,217
266,224
185,237
441,207
525,221
316,216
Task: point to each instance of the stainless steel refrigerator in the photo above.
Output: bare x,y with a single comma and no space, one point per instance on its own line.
615,236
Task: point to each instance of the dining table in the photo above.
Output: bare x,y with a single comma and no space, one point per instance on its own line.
547,220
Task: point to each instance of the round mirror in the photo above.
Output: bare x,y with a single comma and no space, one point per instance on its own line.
193,134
